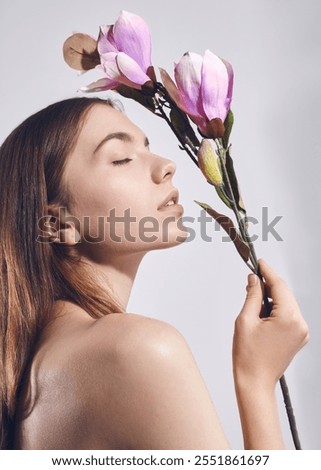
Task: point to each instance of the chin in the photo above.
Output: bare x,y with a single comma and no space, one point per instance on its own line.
173,237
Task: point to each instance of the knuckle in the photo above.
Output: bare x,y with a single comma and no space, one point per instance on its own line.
240,321
253,295
305,332
305,339
301,328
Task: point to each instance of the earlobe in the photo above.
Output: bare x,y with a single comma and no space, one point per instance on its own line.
62,227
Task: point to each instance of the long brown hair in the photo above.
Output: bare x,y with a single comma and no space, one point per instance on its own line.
35,275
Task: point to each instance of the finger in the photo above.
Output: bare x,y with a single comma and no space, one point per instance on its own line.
254,296
277,288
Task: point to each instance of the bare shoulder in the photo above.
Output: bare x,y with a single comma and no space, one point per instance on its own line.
150,388
126,341
128,381
133,334
116,336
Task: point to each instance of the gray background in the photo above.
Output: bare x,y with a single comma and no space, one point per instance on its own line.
199,287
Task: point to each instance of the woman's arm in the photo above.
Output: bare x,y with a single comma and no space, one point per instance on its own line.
262,350
150,393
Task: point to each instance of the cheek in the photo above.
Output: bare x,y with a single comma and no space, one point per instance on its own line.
132,203
103,212
123,208
90,208
131,196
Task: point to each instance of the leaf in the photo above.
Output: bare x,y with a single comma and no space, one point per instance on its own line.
227,224
182,126
234,183
228,124
142,97
223,196
80,52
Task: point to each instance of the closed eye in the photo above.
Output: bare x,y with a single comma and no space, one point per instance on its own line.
122,162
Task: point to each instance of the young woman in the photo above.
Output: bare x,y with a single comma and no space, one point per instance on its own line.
78,185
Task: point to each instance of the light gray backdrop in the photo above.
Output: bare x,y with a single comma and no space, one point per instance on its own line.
199,287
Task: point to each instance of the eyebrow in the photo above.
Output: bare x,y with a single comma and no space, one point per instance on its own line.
123,136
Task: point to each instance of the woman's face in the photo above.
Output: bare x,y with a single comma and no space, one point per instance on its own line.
118,185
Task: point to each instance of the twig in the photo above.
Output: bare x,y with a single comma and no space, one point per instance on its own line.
290,413
164,100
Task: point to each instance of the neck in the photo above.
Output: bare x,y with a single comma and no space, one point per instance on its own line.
118,274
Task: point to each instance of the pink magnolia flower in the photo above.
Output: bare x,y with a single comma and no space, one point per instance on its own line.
203,90
125,53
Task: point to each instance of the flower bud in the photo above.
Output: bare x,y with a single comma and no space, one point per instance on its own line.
203,90
209,163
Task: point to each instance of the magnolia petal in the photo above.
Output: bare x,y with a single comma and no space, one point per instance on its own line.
215,86
131,70
132,36
230,74
110,37
100,85
171,87
188,78
108,62
105,41
201,123
112,71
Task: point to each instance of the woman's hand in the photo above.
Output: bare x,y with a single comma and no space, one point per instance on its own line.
262,350
264,347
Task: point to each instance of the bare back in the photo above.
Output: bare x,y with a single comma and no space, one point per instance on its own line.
123,381
54,411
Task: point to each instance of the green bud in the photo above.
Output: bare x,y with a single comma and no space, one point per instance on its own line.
209,163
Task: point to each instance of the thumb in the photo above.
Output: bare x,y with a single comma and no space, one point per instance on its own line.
254,297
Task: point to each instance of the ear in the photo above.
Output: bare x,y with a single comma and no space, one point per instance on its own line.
62,227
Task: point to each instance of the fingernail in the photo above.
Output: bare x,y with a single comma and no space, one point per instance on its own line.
252,280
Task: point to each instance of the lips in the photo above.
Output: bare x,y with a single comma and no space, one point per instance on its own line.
172,196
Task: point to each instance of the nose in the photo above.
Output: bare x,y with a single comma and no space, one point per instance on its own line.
164,169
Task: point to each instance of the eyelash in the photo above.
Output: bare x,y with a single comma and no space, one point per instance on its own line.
122,162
